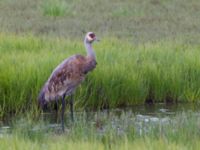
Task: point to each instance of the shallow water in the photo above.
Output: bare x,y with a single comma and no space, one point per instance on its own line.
140,117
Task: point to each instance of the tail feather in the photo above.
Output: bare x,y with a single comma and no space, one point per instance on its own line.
41,99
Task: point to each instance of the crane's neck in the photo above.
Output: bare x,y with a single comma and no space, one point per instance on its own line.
89,49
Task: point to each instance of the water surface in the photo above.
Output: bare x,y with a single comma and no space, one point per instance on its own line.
142,118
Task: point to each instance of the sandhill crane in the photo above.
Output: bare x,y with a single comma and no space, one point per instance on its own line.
67,76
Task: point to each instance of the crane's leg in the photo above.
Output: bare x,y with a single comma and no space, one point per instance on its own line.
56,105
71,102
63,111
56,108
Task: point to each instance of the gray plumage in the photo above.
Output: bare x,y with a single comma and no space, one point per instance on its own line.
69,74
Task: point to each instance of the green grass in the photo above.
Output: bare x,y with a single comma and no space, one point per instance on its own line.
149,20
126,74
64,144
54,8
181,132
149,51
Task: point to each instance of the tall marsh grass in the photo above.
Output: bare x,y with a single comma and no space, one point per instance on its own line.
126,74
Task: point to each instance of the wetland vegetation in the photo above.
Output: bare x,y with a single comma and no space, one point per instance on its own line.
149,53
167,71
156,128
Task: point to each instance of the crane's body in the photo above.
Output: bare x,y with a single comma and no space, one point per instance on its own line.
68,75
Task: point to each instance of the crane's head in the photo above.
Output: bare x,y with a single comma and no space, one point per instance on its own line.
90,37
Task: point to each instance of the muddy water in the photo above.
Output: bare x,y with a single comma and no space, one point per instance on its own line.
140,117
